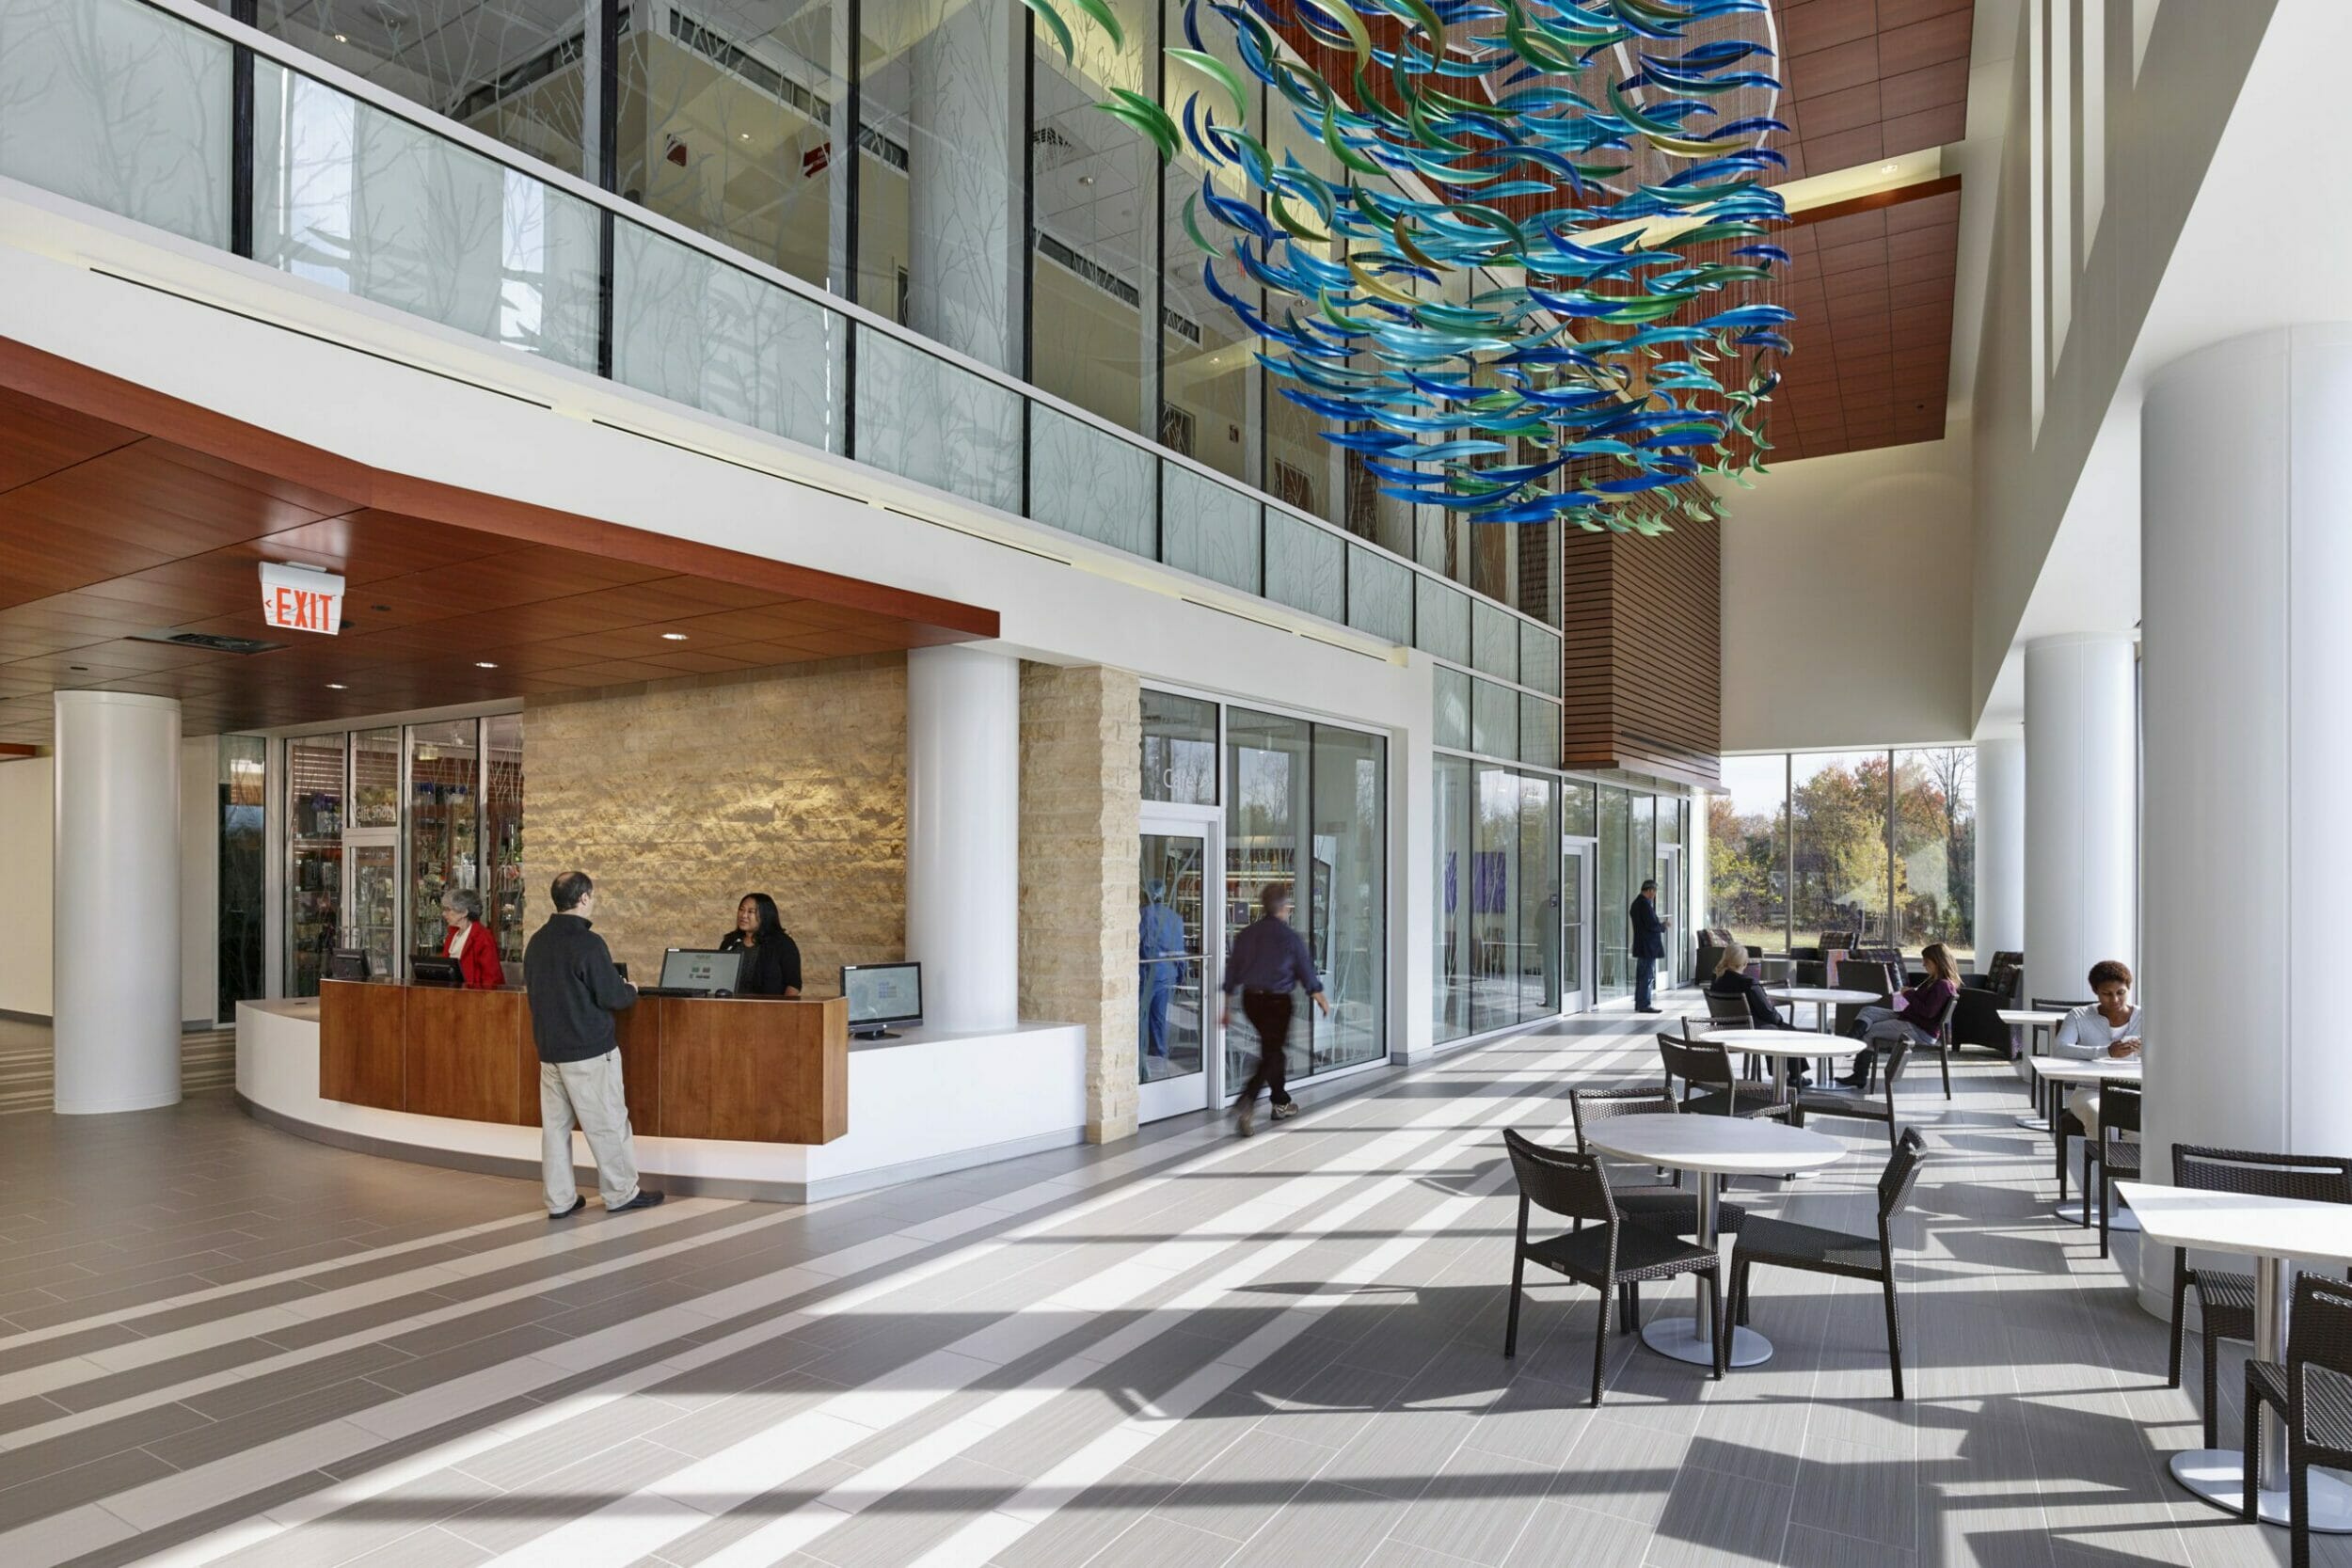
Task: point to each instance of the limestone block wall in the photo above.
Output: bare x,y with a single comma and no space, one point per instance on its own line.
680,796
1081,790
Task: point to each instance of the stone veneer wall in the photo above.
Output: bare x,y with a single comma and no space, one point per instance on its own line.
1081,791
680,796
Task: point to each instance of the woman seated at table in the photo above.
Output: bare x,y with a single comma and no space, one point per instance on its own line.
469,940
1731,978
772,959
1916,1015
2108,1029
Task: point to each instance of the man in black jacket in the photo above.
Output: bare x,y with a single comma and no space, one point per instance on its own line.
1649,942
575,991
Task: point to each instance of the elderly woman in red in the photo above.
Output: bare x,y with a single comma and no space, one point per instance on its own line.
469,942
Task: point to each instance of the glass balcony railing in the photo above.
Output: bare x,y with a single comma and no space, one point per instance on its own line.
133,107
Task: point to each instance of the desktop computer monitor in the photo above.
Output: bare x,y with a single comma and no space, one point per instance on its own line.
347,963
703,971
881,994
431,969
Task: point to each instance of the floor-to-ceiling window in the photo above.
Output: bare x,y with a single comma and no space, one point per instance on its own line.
244,842
1877,844
1612,896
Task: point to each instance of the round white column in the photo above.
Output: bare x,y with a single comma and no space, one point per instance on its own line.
2001,847
2245,574
117,902
2082,817
963,834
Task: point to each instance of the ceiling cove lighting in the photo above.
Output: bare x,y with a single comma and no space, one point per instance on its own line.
483,664
1618,369
673,636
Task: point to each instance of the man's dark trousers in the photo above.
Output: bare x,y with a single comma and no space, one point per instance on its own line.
1269,1013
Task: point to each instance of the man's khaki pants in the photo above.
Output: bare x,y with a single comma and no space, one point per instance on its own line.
589,1094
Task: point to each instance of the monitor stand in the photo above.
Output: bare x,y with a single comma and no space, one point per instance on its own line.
872,1035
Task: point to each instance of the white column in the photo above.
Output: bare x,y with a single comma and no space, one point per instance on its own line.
963,834
2245,576
116,896
2001,847
2082,825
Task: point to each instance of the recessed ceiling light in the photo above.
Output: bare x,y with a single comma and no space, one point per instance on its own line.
483,664
673,636
335,686
340,39
745,134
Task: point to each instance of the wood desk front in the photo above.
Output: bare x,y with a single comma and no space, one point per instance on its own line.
756,1071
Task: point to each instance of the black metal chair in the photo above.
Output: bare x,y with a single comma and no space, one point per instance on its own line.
1709,1087
1864,1103
1781,1243
1602,1251
1941,1044
1729,1012
2225,1300
2117,1160
1656,1204
2313,1394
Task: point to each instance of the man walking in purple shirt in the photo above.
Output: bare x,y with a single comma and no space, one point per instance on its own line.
1270,961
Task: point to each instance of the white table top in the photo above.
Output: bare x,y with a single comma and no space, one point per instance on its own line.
2029,1016
1720,1146
1819,993
2066,1070
1783,1042
2236,1221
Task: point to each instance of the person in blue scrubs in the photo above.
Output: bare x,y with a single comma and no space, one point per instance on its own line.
1160,935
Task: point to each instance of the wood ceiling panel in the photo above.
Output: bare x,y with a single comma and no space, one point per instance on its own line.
1867,80
110,529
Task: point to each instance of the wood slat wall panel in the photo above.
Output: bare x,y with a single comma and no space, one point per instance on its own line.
1643,689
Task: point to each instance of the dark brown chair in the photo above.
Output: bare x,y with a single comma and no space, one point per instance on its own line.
1602,1251
2225,1300
1709,1087
1732,1012
1655,1204
2118,1160
1780,1243
1863,1104
2313,1394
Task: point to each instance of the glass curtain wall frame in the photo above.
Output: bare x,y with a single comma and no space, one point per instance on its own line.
441,842
1496,909
1211,394
318,786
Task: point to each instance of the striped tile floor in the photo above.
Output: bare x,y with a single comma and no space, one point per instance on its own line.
220,1345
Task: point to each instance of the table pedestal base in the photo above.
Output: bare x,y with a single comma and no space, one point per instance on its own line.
1678,1336
2219,1476
2120,1218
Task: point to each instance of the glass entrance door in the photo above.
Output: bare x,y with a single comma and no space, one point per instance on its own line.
372,913
1178,944
1676,970
1576,932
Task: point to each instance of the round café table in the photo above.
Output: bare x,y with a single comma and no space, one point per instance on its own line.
1711,1147
1823,998
2035,1022
1782,1046
2277,1233
2058,1072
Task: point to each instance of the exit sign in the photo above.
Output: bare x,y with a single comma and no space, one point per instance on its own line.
301,599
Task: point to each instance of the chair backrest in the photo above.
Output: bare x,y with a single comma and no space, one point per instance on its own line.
1897,1052
2118,1110
1561,1179
1865,974
2008,958
2314,1178
1901,1173
1841,939
1698,1063
2319,1332
2045,1005
1730,1007
1600,1105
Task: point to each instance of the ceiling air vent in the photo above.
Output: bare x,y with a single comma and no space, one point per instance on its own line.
207,640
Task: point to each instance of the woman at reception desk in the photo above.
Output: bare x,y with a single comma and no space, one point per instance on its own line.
772,959
468,941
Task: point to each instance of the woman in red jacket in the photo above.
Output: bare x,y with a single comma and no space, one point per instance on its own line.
469,942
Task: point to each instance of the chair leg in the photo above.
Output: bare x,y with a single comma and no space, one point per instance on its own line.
1600,1345
1943,1059
2107,1186
1740,1282
1511,1328
2254,1446
2085,1224
2298,1506
1894,1333
2180,1306
2212,1430
1714,1278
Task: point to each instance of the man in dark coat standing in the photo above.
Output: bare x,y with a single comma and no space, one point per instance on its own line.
1649,942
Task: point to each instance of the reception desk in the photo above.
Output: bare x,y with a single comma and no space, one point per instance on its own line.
931,1102
754,1070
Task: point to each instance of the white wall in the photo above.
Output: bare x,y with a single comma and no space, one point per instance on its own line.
27,820
1846,601
199,878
